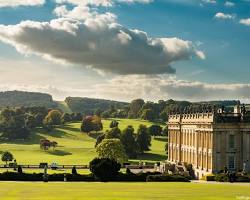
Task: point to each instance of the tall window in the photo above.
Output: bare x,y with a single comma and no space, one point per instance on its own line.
231,162
231,141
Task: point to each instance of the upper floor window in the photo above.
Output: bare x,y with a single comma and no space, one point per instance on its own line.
231,141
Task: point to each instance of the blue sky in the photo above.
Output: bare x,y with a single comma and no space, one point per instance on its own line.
214,64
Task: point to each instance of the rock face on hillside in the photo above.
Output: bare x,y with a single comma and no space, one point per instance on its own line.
26,99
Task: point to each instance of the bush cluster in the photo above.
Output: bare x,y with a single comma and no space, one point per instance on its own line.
223,177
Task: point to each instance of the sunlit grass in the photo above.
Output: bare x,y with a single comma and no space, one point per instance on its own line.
74,147
121,191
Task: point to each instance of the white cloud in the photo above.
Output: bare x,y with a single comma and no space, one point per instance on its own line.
165,87
245,21
229,4
98,42
209,1
105,3
15,3
221,15
152,88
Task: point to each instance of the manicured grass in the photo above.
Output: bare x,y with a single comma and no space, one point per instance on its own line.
122,191
74,147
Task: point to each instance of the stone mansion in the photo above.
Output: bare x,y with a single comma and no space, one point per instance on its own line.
210,141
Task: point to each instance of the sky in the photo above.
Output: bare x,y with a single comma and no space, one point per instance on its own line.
194,50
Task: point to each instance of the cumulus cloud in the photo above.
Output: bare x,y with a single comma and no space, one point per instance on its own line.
98,42
245,21
15,3
221,15
229,4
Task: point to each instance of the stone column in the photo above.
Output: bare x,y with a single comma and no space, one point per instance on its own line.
207,147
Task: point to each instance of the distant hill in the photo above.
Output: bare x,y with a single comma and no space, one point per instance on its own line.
88,106
26,99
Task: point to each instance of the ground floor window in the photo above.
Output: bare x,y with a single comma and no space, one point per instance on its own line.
231,162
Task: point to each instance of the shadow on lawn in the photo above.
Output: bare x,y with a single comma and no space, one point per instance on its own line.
33,139
70,128
59,153
152,157
54,133
161,139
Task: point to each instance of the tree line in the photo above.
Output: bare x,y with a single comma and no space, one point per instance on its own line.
18,123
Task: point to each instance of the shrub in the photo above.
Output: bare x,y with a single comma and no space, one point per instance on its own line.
104,169
221,177
7,156
19,169
167,178
74,171
210,177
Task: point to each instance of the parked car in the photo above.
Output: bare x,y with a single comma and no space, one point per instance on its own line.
54,166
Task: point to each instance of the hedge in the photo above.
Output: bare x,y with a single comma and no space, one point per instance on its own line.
13,176
167,178
121,177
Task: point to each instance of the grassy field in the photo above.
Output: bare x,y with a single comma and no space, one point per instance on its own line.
122,191
74,147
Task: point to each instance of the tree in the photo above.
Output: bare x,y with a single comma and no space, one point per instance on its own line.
99,139
30,121
135,107
112,149
53,144
13,124
164,116
86,125
148,114
104,169
113,133
155,130
143,138
91,123
7,156
129,142
45,144
113,124
53,117
65,118
98,112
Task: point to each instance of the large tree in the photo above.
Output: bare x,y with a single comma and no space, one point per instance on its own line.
13,124
135,107
53,117
143,138
113,133
91,123
155,130
129,142
112,149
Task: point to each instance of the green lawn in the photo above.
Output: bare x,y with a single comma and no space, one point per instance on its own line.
122,191
74,147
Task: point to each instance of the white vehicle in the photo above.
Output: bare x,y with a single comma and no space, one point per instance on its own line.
54,166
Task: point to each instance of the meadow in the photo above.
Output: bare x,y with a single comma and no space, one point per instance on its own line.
74,147
122,191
